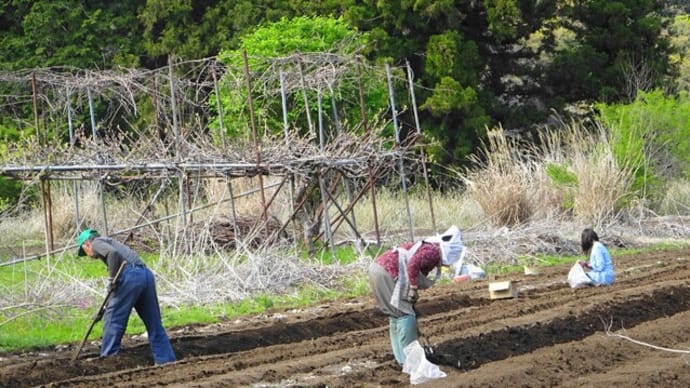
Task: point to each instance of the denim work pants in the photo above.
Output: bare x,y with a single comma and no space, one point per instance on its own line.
137,289
403,331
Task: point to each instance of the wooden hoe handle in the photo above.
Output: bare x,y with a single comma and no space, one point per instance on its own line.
96,319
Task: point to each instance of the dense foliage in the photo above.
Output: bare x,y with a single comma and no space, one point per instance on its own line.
477,64
299,37
652,134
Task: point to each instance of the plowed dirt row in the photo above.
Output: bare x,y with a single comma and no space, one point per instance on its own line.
550,335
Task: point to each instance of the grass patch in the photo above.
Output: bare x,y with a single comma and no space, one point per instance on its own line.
69,324
43,330
660,246
14,277
338,255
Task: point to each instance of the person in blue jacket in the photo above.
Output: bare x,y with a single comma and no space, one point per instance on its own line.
600,266
135,288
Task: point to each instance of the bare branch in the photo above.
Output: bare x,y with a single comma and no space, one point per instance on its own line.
638,342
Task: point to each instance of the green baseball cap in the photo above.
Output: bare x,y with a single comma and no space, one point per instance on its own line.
83,236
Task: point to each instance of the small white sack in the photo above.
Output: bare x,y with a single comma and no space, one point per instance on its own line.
418,367
471,270
577,277
475,272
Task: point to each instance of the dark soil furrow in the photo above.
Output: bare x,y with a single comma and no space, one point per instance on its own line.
472,352
347,345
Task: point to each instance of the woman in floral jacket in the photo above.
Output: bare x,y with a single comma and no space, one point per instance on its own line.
396,276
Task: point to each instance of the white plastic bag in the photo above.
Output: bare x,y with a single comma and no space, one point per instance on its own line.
472,271
475,272
418,367
577,277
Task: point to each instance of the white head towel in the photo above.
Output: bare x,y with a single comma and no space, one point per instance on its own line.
451,245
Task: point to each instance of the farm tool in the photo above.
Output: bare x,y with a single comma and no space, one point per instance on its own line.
100,312
426,345
423,340
434,353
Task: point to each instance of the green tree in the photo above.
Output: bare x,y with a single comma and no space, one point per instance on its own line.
283,38
652,134
172,27
621,49
503,17
680,58
94,34
457,117
196,29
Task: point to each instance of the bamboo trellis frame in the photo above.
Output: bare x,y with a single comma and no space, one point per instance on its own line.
102,155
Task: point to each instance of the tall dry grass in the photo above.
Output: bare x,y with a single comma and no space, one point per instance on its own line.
501,182
676,199
28,226
571,172
449,208
603,184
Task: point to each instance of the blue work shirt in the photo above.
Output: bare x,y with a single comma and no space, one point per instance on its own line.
601,264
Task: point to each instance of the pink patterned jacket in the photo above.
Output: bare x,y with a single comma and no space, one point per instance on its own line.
427,257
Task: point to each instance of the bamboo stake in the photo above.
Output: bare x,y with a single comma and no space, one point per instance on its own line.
421,152
369,167
255,138
401,166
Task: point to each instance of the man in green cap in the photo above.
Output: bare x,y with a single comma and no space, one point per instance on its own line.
135,287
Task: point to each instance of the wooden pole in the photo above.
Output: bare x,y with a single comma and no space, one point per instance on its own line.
173,106
369,169
257,146
286,128
401,165
75,184
219,106
322,184
47,215
422,153
34,93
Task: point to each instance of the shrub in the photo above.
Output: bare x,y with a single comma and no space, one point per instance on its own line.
570,172
652,136
564,180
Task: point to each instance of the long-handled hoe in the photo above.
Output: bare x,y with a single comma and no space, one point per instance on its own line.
426,345
436,355
423,340
99,313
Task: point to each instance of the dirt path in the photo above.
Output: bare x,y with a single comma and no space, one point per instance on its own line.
550,335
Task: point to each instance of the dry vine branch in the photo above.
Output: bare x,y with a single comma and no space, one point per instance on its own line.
176,139
351,155
607,327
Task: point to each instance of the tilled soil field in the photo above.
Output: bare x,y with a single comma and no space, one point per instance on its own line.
550,335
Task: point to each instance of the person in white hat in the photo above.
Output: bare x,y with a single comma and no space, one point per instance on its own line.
396,276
